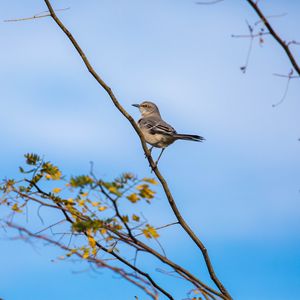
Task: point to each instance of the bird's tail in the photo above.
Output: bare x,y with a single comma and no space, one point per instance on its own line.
189,137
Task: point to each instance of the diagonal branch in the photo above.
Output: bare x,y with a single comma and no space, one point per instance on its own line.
280,41
162,180
180,270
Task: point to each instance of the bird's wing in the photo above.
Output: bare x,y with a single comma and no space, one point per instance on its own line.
156,126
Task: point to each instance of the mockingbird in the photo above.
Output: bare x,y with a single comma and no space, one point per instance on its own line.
156,131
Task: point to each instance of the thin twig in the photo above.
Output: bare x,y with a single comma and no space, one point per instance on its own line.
269,17
43,14
280,41
44,229
160,227
286,76
249,35
289,77
293,43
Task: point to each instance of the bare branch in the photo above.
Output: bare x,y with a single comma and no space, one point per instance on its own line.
244,68
280,41
252,36
48,227
289,77
180,270
286,76
249,35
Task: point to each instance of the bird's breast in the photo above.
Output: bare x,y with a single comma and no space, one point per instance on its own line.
157,140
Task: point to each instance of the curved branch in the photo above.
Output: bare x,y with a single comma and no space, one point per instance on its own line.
167,191
280,41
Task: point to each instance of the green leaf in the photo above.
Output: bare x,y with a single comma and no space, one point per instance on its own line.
32,159
81,181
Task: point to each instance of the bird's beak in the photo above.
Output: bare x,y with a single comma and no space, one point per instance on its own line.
136,105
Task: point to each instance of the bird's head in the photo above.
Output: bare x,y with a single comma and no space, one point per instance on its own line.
147,108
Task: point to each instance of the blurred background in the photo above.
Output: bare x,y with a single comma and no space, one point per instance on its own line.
239,190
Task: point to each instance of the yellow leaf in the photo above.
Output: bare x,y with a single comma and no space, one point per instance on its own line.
71,252
84,194
135,218
81,202
70,200
55,176
95,203
125,219
133,198
103,231
150,232
86,253
114,190
118,227
94,251
147,234
145,192
56,190
16,208
92,241
141,186
102,208
150,180
153,232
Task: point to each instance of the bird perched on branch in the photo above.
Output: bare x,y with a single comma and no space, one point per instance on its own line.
156,131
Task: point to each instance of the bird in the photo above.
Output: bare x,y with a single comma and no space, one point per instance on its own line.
156,131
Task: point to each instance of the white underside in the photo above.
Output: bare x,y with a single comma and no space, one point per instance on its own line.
158,140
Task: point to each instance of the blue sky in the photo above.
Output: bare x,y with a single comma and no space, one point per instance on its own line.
239,190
